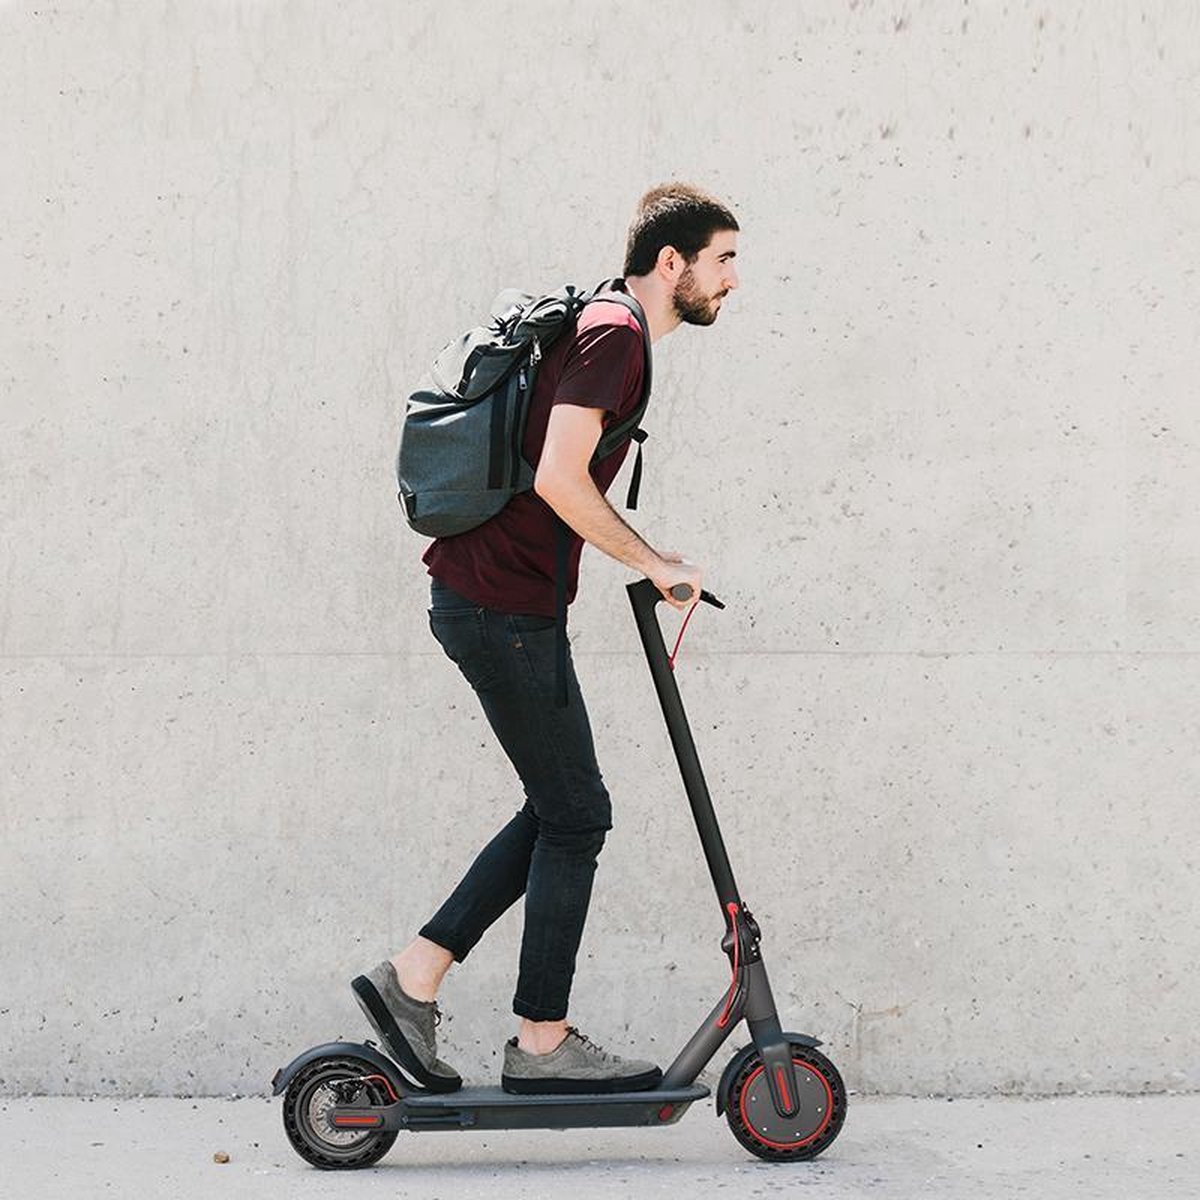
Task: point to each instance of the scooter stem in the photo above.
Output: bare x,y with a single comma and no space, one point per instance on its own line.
645,596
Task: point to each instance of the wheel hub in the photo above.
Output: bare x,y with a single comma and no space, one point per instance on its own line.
810,1120
324,1098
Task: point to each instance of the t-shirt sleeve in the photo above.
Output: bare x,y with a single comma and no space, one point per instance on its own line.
603,368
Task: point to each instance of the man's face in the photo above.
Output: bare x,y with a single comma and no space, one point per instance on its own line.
705,282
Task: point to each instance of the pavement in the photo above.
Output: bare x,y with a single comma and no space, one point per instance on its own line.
1131,1148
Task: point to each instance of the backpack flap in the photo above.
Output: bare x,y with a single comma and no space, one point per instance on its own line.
475,364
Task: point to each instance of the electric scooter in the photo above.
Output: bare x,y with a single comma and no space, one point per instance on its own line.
344,1103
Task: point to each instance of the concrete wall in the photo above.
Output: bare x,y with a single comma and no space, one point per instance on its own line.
939,454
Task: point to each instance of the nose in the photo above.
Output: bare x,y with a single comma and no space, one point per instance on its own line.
731,278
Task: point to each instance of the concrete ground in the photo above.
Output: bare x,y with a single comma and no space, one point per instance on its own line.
1088,1147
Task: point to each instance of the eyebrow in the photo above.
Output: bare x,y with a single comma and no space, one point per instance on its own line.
727,254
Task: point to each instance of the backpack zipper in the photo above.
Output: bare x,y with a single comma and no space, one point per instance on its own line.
519,400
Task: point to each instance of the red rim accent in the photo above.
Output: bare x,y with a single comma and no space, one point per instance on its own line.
812,1137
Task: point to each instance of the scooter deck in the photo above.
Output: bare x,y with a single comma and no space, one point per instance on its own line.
494,1108
496,1096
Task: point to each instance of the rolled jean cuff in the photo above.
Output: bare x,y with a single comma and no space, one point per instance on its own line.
531,1012
433,934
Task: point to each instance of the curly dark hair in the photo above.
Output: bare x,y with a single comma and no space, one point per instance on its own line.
673,214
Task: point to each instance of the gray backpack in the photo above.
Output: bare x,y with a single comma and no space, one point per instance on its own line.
460,457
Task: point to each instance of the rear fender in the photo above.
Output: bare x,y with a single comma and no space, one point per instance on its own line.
366,1051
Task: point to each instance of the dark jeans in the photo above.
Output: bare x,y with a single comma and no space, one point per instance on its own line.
548,850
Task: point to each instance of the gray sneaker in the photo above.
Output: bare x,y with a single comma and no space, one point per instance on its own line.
576,1065
405,1026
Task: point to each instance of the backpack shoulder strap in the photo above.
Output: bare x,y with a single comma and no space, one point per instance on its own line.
617,434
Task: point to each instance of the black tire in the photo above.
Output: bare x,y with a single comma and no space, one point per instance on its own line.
761,1130
310,1095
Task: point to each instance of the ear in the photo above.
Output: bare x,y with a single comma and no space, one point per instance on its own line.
669,263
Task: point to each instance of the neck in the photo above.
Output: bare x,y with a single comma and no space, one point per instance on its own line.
656,303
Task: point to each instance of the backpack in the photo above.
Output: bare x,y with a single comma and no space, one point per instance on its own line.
460,459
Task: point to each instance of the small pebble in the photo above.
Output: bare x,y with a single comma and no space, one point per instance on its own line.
220,1157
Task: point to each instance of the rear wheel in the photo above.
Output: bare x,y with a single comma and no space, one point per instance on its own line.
320,1087
757,1126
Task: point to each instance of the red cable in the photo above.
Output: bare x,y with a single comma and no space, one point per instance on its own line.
671,658
737,941
387,1083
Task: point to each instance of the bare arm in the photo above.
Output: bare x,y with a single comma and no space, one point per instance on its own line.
562,480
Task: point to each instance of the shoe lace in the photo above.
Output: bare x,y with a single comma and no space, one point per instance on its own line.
587,1041
437,1014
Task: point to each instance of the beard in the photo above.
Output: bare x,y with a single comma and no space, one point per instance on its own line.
691,305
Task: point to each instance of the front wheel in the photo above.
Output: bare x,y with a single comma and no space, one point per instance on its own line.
323,1085
757,1126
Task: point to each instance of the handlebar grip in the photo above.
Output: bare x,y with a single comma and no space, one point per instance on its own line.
683,591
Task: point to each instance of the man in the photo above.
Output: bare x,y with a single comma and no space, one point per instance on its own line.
493,612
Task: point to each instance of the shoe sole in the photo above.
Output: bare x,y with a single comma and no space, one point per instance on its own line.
581,1087
384,1024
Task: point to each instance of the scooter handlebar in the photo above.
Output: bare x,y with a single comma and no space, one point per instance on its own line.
645,597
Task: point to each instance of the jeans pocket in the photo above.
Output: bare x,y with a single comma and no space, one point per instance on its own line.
462,638
530,623
451,623
453,613
525,630
535,641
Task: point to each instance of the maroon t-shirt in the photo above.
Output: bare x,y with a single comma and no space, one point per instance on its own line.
508,562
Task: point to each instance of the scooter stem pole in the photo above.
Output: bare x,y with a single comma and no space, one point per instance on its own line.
644,597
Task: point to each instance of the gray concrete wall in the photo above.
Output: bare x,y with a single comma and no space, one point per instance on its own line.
939,454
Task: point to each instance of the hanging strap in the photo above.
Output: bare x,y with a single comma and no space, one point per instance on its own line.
635,480
562,540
